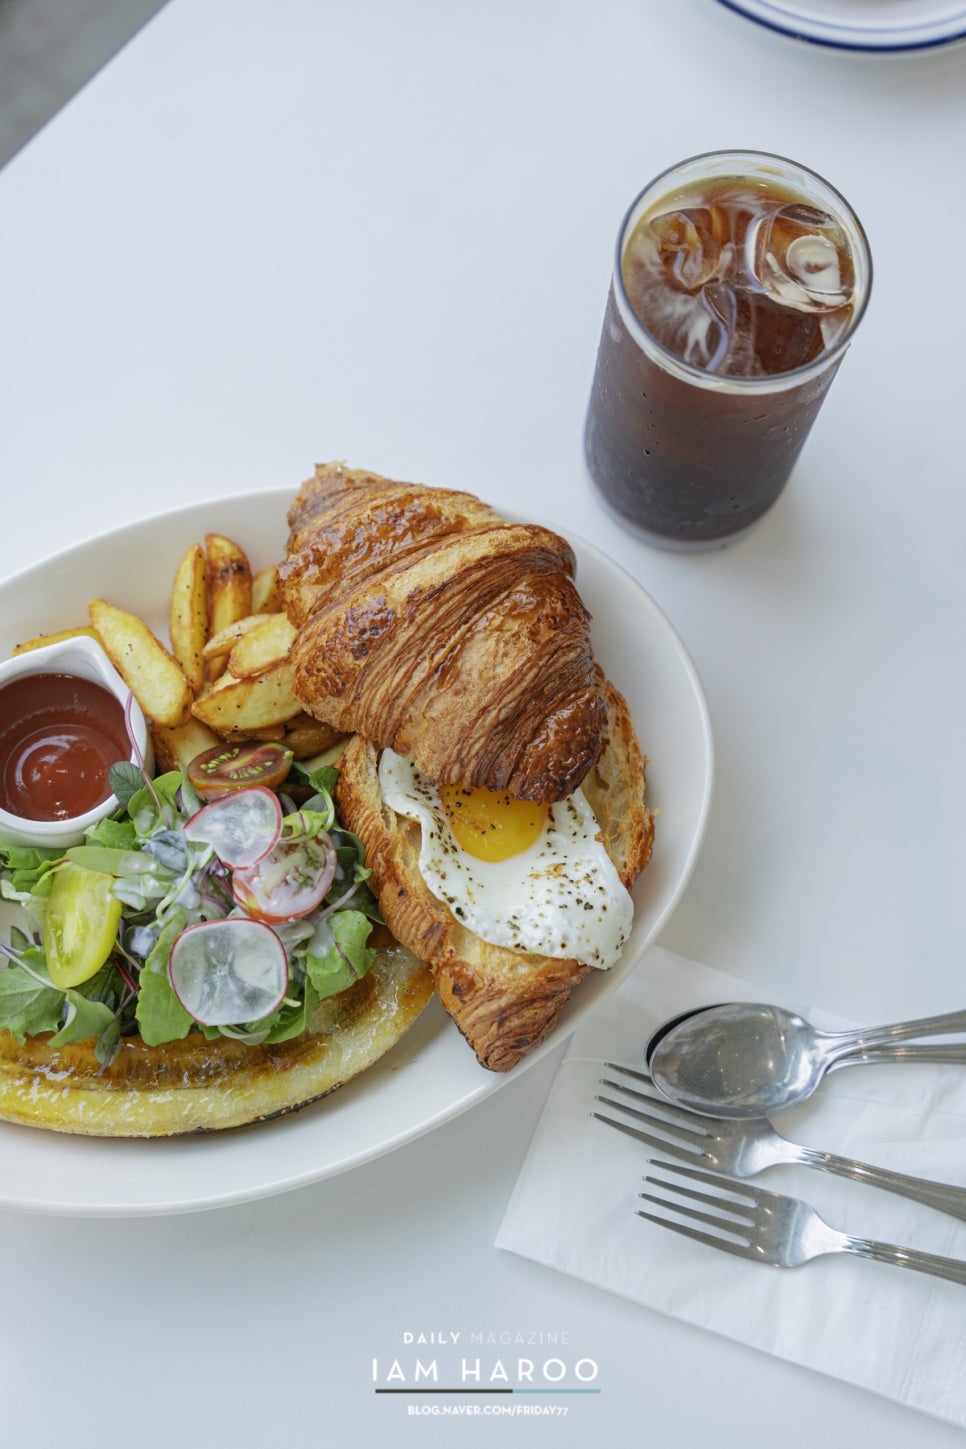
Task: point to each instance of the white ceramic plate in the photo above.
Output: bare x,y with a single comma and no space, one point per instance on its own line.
878,25
431,1075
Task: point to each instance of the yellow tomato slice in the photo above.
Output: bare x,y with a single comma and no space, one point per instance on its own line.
80,924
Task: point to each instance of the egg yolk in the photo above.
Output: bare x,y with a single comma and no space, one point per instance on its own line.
489,823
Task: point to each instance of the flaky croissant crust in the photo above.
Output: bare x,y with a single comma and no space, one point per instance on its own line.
504,1002
431,625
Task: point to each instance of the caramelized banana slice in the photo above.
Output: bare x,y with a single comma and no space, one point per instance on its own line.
195,1085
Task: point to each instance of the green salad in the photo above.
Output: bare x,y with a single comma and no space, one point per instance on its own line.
225,900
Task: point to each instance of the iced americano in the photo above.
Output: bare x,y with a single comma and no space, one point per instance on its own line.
735,296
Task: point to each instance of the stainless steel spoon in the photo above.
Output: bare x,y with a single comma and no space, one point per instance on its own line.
747,1059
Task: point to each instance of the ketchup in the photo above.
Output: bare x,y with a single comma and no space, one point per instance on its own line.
59,736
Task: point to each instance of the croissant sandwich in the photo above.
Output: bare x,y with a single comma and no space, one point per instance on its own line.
432,626
507,939
494,776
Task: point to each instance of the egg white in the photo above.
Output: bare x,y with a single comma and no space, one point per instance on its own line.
561,897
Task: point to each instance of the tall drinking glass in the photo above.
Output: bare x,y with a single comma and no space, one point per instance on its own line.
739,282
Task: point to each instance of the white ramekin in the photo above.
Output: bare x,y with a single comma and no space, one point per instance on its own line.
84,657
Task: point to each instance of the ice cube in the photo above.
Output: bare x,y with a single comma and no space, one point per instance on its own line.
691,244
723,305
800,257
715,331
782,339
751,335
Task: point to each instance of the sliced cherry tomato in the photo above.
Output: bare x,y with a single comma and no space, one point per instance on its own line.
224,768
288,882
80,924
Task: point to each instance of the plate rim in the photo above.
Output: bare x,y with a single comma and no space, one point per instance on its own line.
816,32
487,1084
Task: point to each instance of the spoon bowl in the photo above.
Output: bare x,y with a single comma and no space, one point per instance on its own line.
660,1032
750,1059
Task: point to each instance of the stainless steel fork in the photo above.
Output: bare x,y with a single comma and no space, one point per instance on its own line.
769,1228
745,1147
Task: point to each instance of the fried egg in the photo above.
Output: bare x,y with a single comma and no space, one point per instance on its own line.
527,877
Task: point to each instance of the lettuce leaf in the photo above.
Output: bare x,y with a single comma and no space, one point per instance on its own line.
27,1006
83,1020
112,833
337,956
27,871
291,1020
160,1015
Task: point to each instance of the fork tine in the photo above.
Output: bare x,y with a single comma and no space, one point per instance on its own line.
694,1134
630,1072
759,1196
740,1250
743,1210
714,1220
654,1098
713,1179
639,1116
644,1137
734,1218
677,1136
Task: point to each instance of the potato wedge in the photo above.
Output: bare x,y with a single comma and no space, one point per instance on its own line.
234,705
265,595
142,661
41,640
259,734
263,646
302,734
331,756
178,744
188,615
229,583
224,642
306,736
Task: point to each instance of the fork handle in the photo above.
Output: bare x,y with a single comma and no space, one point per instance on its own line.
943,1196
950,1268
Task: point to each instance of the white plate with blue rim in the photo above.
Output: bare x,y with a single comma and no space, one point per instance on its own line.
870,25
431,1075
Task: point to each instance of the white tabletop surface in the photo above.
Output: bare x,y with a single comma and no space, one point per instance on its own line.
270,235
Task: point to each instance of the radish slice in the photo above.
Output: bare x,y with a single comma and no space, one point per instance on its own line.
288,882
228,972
241,827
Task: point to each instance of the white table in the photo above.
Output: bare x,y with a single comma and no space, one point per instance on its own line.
270,235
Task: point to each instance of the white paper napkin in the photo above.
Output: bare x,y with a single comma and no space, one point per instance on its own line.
898,1333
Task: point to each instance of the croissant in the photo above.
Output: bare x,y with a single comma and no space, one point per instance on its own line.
505,1002
430,625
